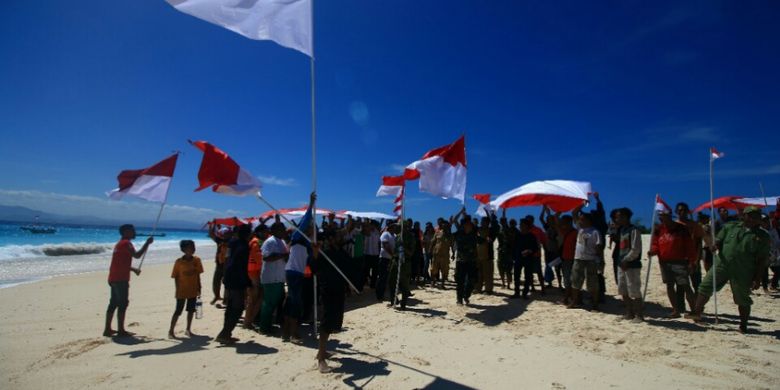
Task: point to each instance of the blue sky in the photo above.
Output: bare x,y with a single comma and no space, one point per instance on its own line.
628,95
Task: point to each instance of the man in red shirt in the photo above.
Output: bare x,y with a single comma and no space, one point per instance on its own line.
676,251
119,278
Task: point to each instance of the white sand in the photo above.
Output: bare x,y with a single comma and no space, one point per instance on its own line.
50,336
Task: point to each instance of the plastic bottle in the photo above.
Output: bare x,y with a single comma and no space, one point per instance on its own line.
198,308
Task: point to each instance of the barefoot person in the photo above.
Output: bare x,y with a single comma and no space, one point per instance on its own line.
466,241
629,272
221,237
186,276
300,252
119,278
743,252
587,257
333,289
676,252
236,280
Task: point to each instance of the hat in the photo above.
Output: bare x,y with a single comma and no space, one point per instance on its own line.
751,209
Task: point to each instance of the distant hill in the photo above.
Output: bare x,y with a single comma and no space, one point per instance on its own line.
27,215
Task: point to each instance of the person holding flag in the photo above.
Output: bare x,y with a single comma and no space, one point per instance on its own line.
119,278
150,184
466,241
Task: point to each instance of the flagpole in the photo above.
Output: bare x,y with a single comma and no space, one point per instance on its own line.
314,154
650,258
306,236
401,256
157,220
715,249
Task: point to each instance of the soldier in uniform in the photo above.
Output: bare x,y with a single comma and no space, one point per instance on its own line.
442,245
466,241
743,251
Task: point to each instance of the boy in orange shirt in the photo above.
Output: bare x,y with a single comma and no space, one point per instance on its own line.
186,274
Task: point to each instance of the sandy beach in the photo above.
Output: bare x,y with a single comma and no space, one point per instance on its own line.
50,332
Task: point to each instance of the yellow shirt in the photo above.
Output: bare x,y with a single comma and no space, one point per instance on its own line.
187,275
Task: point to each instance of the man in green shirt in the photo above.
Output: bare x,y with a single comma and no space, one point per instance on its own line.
743,253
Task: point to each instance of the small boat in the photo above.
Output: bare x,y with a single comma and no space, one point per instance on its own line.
150,235
37,228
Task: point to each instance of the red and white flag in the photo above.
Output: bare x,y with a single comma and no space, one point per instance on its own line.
222,174
150,183
558,195
485,208
442,171
715,154
482,198
393,185
399,203
661,206
288,23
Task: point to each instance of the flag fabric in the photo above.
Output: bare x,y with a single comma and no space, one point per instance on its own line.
482,198
368,215
398,210
442,171
288,22
661,206
727,202
558,195
391,185
150,183
222,174
759,202
715,154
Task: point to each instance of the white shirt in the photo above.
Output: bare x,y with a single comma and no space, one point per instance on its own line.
297,260
371,247
588,241
273,271
386,238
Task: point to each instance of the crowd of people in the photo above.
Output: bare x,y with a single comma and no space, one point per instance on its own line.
267,272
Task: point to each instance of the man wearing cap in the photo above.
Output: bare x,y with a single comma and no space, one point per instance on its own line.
743,251
442,247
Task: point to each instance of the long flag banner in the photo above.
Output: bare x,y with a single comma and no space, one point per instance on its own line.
442,171
150,183
288,22
222,174
558,195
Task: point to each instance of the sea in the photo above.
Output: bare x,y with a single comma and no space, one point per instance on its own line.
26,257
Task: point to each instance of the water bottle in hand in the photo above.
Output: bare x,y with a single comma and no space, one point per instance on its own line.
198,308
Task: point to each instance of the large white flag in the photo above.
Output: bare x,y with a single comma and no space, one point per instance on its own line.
286,22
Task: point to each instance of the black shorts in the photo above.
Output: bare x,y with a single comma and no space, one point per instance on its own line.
190,305
119,294
333,310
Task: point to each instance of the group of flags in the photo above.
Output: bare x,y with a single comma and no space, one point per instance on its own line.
441,172
217,170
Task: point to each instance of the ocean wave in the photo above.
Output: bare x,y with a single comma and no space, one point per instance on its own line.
13,252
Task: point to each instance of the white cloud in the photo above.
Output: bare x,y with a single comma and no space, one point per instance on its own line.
398,168
278,181
79,205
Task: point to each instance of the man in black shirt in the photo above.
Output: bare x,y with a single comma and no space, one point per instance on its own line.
526,246
236,281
